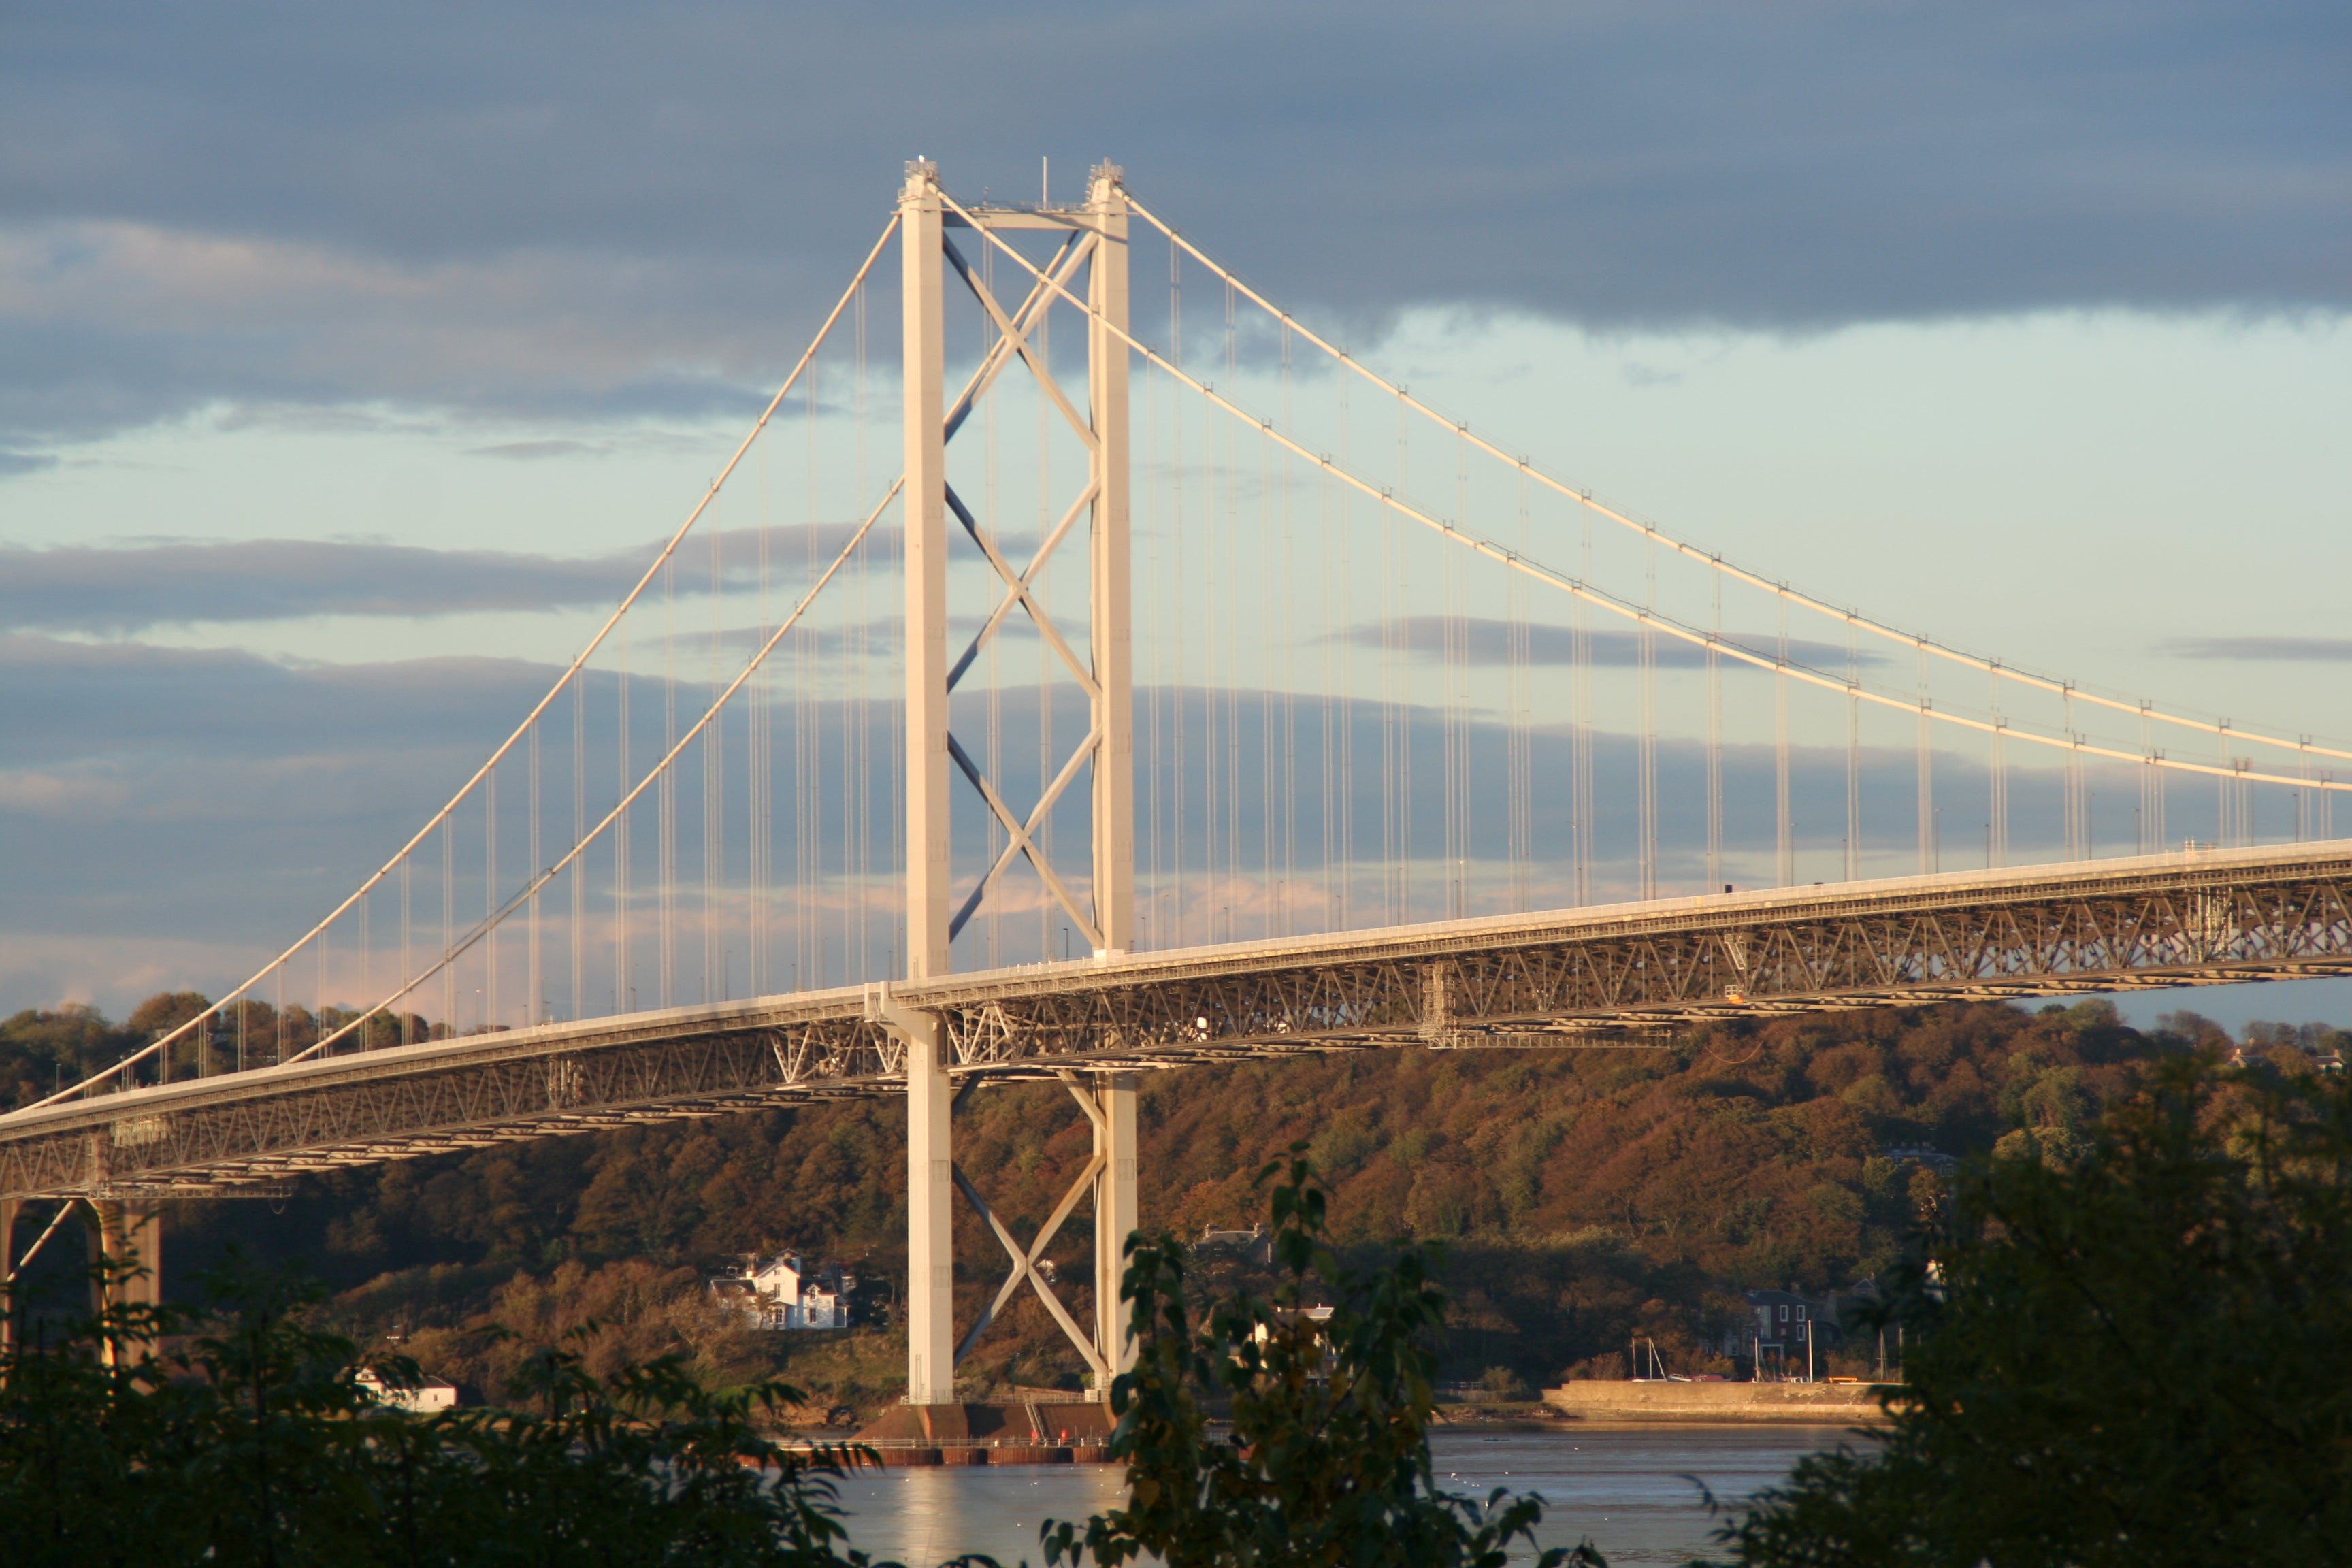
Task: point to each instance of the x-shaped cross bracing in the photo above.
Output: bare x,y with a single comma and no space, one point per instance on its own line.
1013,341
1025,1260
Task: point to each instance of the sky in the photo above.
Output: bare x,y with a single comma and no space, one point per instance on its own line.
352,360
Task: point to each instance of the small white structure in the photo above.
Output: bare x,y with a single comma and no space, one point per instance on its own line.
781,1291
431,1395
1253,1243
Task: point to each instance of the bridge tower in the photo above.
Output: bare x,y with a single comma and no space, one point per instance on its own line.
1094,235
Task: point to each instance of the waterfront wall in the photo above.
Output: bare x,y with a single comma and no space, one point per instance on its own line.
1804,1403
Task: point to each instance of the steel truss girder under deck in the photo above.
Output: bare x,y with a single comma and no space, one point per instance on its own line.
1561,978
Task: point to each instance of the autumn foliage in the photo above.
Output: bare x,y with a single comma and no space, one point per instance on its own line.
1584,1195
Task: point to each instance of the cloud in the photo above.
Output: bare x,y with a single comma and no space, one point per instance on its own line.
1487,641
114,589
34,793
66,705
107,322
459,205
2297,650
532,451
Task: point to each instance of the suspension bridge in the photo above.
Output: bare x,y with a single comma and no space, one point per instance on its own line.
1404,742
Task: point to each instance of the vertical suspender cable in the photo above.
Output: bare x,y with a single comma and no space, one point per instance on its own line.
490,1015
1147,914
861,801
1457,746
1047,910
368,1032
2073,803
1286,624
759,819
1245,657
1275,891
1928,857
534,1002
1784,821
1347,686
1580,656
406,968
448,1024
579,874
2229,806
1997,819
1714,736
894,757
1521,764
1214,657
1231,642
625,987
808,800
320,1022
1398,785
1180,531
992,927
1274,531
713,747
1327,574
1853,755
1645,643
666,791
1391,851
845,708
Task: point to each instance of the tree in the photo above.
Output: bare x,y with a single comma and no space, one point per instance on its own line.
1327,1459
257,1445
2135,1354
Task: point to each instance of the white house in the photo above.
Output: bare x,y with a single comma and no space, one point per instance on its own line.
781,1291
427,1396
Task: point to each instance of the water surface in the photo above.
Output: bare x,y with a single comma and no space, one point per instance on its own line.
1623,1487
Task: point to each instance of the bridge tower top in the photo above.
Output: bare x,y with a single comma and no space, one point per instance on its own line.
1101,906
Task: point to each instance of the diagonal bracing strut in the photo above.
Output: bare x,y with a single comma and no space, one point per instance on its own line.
1025,1260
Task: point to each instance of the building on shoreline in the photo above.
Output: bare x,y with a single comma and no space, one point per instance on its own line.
782,1291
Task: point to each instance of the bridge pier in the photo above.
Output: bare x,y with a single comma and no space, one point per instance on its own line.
930,1218
125,1236
127,1240
1116,1217
9,1210
932,1179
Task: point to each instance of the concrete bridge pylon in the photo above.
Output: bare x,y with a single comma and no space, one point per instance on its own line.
1094,240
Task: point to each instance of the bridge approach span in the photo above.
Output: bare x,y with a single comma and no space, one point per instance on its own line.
1563,978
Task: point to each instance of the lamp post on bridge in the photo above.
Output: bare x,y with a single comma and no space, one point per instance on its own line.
1097,232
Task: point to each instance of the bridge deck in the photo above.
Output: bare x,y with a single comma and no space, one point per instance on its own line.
1551,979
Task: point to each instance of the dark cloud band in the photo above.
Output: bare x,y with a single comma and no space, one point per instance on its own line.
455,205
1482,640
116,590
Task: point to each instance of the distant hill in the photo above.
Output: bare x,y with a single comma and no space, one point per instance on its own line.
1585,1195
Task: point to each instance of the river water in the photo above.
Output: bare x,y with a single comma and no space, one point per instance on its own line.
1628,1490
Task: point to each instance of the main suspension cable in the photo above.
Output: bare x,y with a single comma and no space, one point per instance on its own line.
2221,728
165,1041
458,948
1516,562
